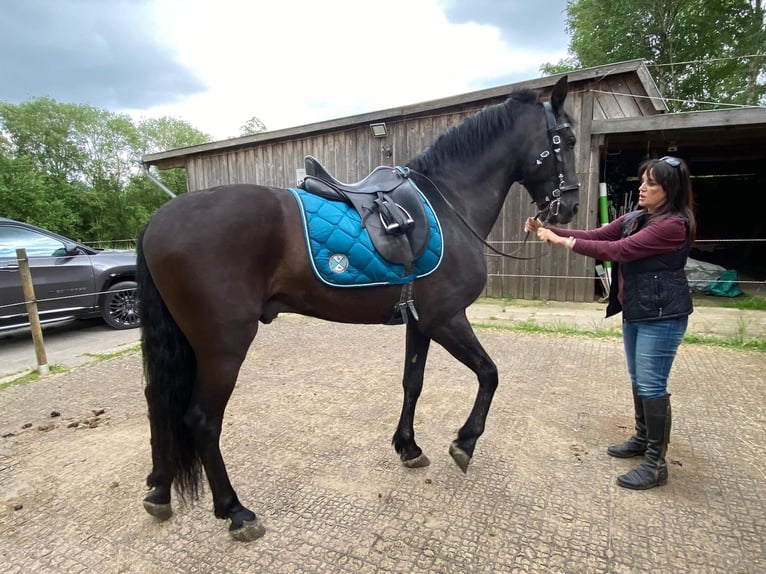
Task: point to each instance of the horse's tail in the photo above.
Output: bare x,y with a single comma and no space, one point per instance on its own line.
169,369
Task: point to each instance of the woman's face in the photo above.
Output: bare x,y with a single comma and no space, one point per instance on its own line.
651,195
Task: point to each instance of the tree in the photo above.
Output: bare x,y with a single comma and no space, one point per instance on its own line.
76,169
166,133
698,50
40,129
25,194
41,166
252,126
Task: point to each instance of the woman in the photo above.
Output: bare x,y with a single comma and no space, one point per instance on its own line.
648,250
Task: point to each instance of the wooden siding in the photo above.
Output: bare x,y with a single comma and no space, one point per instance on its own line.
349,155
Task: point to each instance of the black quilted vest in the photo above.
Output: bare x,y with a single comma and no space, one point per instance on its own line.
652,288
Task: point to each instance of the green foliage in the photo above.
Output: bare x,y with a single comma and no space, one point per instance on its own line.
744,302
736,342
31,376
697,50
252,126
162,134
76,169
563,66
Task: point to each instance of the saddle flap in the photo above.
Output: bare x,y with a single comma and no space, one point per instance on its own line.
401,247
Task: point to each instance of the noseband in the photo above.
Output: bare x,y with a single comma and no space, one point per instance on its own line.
553,201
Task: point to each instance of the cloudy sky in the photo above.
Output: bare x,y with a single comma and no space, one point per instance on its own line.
216,64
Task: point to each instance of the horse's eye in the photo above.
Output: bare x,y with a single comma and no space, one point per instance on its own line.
571,141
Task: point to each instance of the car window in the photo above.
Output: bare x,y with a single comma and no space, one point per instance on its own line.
36,244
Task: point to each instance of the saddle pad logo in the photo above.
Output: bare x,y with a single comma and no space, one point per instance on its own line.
338,263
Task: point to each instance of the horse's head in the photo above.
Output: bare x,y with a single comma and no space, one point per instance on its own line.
549,172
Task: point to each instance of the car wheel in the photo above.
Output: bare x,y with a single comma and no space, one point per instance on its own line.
120,307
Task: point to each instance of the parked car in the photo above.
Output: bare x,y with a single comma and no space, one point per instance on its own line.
71,280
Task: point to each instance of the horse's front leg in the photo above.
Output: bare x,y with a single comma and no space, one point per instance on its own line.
459,339
216,377
415,357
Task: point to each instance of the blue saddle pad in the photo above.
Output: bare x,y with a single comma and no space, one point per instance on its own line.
341,252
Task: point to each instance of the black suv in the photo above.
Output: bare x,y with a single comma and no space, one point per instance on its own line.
70,280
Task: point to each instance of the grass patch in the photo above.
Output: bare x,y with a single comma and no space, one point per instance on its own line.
121,353
737,342
734,343
561,329
512,302
32,375
745,302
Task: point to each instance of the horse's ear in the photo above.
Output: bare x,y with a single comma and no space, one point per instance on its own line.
559,93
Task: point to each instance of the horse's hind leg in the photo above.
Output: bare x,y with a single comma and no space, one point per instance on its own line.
414,366
458,338
160,480
216,377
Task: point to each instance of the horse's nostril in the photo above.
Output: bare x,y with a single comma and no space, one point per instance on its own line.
575,209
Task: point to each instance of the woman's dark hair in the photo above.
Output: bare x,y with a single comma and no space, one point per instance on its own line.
673,175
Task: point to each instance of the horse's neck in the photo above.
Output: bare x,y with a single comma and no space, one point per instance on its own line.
479,199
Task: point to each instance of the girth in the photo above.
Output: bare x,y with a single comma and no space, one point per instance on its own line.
388,203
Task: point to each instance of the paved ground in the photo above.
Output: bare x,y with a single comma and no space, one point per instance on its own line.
76,342
69,344
307,438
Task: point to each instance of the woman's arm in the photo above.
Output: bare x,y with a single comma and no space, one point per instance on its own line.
609,232
661,236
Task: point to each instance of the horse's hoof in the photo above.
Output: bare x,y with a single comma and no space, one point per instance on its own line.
417,462
160,511
250,530
460,457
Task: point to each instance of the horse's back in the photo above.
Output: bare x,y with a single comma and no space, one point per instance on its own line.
225,216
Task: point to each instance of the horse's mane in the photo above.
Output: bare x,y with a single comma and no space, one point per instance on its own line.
468,139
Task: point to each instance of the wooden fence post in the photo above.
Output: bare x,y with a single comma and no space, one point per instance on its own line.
34,319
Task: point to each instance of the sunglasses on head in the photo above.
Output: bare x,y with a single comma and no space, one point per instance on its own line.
671,161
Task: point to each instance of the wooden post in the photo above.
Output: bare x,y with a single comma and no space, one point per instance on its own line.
34,319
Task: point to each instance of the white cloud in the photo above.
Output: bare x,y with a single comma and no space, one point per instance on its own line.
293,62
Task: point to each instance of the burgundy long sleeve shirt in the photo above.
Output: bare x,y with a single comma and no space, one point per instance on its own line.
607,243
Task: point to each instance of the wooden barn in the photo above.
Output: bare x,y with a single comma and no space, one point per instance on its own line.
619,120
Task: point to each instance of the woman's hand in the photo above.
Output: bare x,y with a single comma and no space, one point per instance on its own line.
547,236
532,224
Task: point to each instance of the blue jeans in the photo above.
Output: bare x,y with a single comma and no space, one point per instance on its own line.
650,347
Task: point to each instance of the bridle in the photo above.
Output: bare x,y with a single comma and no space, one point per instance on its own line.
553,200
551,206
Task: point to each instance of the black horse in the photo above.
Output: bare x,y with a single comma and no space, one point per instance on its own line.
212,264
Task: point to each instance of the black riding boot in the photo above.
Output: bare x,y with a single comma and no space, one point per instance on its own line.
635,445
653,471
